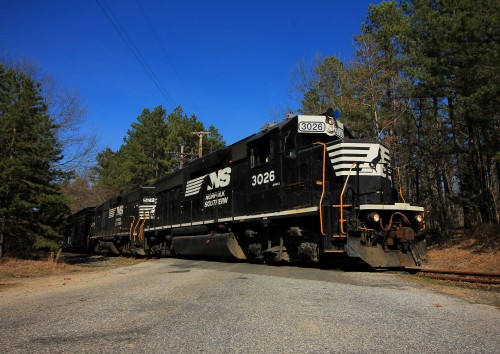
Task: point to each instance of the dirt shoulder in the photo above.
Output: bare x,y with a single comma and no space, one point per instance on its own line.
19,274
478,253
463,252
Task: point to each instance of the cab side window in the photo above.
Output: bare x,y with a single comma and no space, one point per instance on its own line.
262,151
289,144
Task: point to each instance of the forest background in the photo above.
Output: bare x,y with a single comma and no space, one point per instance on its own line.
424,79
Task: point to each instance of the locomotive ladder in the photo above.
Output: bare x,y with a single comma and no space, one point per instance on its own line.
341,237
342,221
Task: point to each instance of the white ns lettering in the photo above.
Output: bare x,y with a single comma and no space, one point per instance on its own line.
219,179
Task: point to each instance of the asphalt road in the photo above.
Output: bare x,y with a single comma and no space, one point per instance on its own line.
193,306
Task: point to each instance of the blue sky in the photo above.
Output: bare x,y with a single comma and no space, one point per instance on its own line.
228,62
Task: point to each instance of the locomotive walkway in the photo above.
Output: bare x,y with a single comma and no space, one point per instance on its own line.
193,306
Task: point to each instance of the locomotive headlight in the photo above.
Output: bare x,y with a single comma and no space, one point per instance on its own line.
329,125
418,218
374,217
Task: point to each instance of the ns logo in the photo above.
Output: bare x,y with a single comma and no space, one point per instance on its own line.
217,179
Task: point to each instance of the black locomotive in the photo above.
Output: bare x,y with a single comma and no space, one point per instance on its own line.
299,190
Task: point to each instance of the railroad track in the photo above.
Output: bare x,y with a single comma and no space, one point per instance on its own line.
459,276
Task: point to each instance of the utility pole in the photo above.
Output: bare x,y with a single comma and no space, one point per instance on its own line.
182,155
200,135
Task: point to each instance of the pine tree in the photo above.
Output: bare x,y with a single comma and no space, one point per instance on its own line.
454,52
31,205
144,147
376,72
151,149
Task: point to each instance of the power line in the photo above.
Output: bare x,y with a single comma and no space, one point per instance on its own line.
167,56
130,44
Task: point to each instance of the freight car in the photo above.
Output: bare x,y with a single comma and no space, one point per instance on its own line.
299,190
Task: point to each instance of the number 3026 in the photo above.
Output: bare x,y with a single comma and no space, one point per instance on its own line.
263,178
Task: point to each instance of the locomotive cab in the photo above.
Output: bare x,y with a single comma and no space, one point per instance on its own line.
360,211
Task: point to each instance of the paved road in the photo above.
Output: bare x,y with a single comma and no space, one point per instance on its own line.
192,306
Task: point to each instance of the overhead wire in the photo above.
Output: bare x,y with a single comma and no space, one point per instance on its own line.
133,48
167,56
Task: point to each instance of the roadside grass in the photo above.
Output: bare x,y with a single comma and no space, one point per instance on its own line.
25,268
58,263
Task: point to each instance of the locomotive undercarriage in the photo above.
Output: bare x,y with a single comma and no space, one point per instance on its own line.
279,241
119,245
381,244
258,242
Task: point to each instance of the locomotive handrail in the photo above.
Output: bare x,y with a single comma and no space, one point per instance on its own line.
342,232
141,229
400,187
131,226
323,187
135,229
